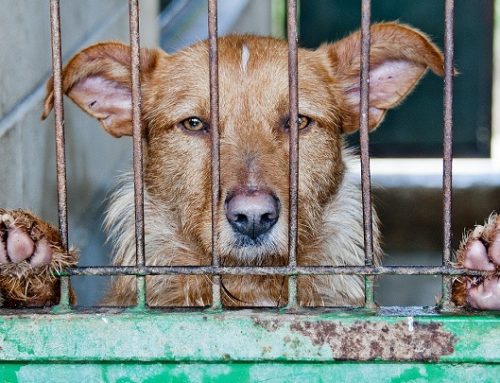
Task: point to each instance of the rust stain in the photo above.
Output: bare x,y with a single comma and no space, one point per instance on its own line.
375,340
270,325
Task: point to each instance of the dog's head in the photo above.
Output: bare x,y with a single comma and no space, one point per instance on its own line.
254,126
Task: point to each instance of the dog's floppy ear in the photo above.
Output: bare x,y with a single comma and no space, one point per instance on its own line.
97,79
399,57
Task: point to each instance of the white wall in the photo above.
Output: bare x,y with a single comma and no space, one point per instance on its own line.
27,166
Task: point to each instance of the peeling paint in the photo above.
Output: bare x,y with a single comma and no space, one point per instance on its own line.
268,324
379,341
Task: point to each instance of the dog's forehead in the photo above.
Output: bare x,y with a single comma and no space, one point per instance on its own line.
244,60
253,79
248,56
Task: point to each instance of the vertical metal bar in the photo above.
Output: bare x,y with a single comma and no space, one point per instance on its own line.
364,145
55,28
293,144
213,59
447,144
135,73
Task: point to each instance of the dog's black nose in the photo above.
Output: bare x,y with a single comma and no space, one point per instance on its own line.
252,213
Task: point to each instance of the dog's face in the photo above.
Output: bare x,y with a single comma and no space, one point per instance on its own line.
254,127
254,145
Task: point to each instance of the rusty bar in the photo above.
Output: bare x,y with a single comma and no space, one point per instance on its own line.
281,270
64,305
293,122
135,76
213,58
55,29
447,143
137,133
363,130
364,146
293,94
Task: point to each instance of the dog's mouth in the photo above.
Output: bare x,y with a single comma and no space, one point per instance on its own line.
242,241
256,255
243,250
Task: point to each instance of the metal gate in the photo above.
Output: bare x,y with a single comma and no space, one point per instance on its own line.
290,344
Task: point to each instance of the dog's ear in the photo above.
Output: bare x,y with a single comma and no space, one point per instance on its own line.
97,79
399,57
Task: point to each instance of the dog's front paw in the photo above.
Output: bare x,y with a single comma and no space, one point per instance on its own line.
480,250
30,253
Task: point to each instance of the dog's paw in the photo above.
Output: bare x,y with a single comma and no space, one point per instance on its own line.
30,253
480,250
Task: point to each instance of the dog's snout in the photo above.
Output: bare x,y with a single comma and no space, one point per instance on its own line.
252,214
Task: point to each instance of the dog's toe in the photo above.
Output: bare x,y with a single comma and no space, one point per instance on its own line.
476,257
485,295
19,245
42,255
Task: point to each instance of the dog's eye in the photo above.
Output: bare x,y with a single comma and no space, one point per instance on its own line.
194,124
303,122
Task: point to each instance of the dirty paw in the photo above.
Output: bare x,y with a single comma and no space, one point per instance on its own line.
30,253
480,250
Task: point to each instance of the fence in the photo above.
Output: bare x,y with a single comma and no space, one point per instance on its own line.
429,344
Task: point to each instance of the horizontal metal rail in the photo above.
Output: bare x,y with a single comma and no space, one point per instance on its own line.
284,270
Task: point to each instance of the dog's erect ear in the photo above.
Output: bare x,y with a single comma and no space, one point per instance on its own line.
399,57
97,79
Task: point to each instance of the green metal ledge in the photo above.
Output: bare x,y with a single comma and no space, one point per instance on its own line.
249,372
247,337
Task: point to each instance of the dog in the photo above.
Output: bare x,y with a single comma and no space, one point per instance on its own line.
254,198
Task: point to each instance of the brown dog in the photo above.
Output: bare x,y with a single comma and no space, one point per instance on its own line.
254,129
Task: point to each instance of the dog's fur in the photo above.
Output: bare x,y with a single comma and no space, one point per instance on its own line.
254,156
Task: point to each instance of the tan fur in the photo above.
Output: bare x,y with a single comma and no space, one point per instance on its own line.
340,243
254,149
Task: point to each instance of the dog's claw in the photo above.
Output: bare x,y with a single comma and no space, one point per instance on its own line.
7,219
480,250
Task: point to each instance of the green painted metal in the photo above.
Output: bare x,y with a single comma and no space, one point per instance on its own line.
241,373
249,337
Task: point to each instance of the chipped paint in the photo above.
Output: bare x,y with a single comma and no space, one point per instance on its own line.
410,324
